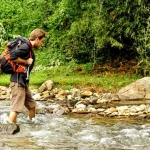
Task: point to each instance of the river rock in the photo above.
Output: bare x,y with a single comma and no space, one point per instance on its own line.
4,93
3,88
93,100
47,94
75,92
9,128
92,110
62,95
122,109
86,94
111,110
80,101
108,97
133,109
81,108
58,111
37,96
142,107
48,85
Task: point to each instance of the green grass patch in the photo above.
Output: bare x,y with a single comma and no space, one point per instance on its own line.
67,77
4,79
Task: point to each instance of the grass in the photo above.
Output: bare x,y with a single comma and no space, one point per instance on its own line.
4,79
67,77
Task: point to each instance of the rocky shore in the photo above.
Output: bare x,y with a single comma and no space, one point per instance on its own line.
130,101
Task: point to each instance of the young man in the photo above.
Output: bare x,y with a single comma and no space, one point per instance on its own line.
21,95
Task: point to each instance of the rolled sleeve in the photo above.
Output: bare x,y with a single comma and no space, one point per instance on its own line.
22,52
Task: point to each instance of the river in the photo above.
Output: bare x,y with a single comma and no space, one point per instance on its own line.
75,132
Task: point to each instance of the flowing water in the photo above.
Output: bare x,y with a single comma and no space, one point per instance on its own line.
74,132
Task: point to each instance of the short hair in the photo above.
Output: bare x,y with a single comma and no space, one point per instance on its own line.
37,33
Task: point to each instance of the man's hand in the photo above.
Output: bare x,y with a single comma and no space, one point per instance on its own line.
29,61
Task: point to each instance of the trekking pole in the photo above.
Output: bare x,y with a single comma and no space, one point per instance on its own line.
27,78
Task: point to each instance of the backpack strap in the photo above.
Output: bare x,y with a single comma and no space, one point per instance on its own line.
30,54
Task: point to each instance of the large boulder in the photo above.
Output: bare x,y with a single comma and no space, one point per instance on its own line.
9,128
139,90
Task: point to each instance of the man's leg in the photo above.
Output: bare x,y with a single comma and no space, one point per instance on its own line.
18,98
30,103
31,113
13,116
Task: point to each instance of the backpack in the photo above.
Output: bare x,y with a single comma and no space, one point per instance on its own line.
6,65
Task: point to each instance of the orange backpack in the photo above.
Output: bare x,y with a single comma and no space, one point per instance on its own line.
6,65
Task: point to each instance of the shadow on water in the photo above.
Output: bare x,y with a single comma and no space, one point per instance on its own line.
75,132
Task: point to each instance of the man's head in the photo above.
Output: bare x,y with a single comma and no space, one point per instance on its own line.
37,37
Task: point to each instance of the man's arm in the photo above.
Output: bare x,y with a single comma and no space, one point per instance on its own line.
23,61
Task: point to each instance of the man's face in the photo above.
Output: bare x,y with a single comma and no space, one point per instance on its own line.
38,43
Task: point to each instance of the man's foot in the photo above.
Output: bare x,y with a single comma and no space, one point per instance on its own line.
7,121
33,120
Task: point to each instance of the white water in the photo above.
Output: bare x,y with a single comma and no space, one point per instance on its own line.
51,132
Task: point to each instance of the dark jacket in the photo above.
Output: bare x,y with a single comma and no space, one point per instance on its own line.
23,52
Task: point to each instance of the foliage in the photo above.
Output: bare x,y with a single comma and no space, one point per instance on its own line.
91,31
130,26
2,35
84,31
